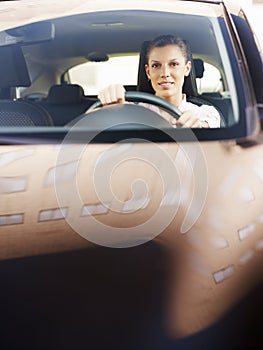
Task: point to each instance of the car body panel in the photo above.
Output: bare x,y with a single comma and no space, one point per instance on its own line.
214,248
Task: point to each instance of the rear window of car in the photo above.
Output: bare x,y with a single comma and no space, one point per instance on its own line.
93,76
123,69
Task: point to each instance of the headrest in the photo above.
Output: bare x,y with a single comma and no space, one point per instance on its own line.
65,94
189,87
13,68
199,67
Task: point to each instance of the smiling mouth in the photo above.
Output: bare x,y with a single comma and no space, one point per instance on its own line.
166,84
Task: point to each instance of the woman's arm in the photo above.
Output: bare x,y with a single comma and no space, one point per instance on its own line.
112,94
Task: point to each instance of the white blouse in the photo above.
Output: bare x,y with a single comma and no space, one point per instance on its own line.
204,112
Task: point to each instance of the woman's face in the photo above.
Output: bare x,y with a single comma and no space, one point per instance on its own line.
166,69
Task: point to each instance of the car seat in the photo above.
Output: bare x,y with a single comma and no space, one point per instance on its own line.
65,102
14,73
23,113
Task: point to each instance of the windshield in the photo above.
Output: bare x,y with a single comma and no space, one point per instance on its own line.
77,56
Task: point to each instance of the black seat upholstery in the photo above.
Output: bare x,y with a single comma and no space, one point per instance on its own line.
65,94
199,68
14,112
23,113
15,73
65,102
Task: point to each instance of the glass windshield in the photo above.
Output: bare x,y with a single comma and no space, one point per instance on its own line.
64,74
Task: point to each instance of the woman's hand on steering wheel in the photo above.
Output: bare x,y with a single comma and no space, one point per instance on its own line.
117,94
112,94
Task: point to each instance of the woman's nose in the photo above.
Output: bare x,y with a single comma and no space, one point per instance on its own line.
165,71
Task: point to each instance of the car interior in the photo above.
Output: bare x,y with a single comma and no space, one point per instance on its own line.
37,73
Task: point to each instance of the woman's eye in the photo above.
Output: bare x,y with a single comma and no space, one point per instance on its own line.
175,64
155,65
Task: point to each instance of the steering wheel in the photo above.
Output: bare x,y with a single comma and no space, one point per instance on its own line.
126,116
138,96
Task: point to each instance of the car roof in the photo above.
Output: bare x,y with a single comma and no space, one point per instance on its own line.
17,13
